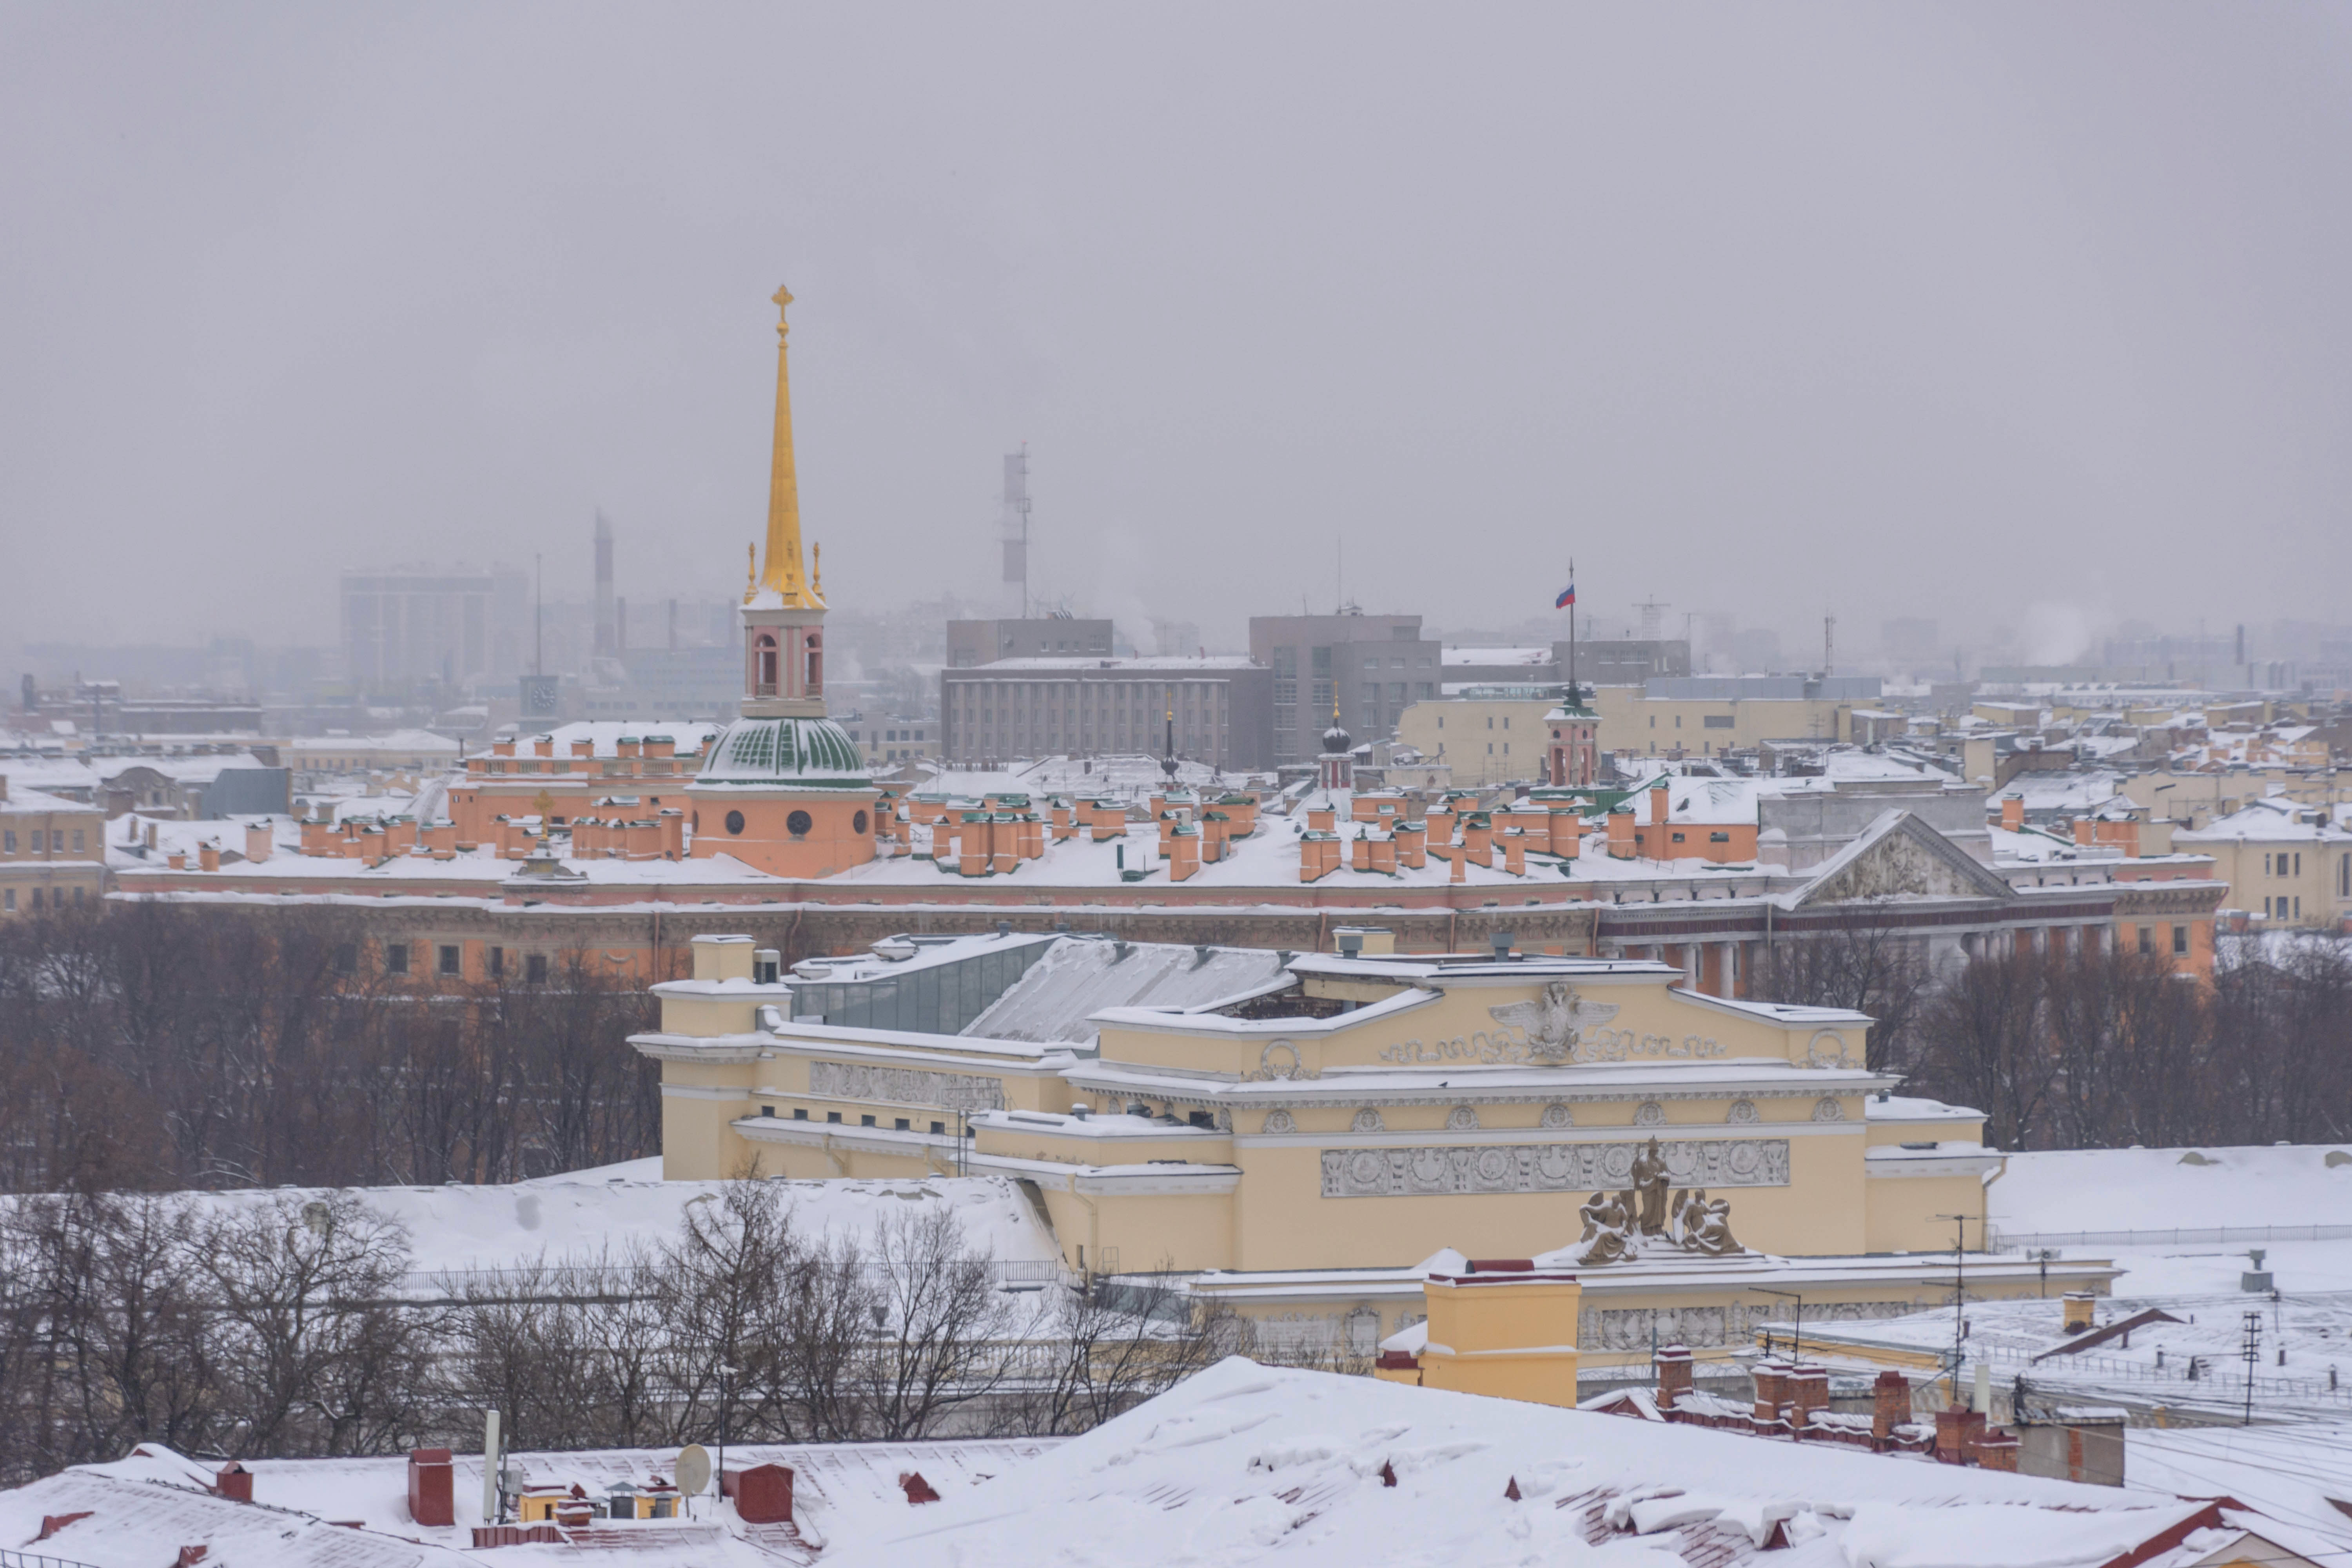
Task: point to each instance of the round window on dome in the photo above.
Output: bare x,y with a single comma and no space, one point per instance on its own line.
734,822
798,823
857,823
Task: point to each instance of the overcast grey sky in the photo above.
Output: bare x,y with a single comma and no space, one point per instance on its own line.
1767,310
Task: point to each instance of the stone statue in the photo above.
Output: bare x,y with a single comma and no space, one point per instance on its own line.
1651,1185
1606,1224
1705,1225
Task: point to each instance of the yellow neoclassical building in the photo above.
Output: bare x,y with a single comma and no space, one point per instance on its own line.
1308,1139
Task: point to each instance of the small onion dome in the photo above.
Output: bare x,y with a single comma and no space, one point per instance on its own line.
809,753
1337,741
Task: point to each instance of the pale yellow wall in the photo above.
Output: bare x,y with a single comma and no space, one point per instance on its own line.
67,878
1487,742
1631,722
1903,1212
2259,879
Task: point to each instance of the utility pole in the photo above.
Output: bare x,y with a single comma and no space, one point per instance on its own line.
1797,1349
2250,1353
1960,1295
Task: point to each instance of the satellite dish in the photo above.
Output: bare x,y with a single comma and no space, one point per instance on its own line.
693,1471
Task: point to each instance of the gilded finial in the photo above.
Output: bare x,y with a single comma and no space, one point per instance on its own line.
750,571
816,572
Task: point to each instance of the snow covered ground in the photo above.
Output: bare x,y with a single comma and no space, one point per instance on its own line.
456,1231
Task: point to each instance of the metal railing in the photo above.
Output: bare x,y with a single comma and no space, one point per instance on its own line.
35,1560
2012,1241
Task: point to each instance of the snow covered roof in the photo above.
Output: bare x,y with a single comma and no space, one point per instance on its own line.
1177,666
1246,1464
2270,818
353,1513
607,735
1057,997
1529,656
27,802
419,742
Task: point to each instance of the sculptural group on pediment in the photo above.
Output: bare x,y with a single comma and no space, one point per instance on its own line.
1619,1225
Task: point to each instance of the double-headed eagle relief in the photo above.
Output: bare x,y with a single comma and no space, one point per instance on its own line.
1555,1021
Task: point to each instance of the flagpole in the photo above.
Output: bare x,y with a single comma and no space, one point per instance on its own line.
1572,632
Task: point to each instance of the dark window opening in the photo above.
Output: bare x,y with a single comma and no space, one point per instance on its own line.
450,960
497,962
799,822
865,1121
767,1111
799,1113
534,969
902,1124
395,958
347,958
734,822
832,1116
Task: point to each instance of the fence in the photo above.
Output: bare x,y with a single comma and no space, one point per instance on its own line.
35,1560
2014,1241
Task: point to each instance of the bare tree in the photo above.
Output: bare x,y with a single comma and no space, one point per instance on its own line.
1112,1345
314,1354
1866,963
942,1328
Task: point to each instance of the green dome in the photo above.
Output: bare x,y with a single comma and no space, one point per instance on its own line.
808,754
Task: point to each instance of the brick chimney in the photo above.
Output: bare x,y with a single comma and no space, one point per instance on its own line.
1620,834
1661,808
209,857
1808,1391
1958,1428
2013,812
1772,1390
1997,1450
1890,1405
1673,1365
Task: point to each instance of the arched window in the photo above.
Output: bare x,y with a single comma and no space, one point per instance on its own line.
763,661
815,646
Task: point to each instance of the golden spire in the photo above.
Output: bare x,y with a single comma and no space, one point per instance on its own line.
783,565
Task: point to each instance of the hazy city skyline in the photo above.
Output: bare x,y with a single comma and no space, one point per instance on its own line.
2025,322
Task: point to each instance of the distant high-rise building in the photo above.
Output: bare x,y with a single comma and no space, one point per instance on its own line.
1366,669
1013,528
416,626
1036,637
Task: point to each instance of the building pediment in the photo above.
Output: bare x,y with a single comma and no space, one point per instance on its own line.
1898,856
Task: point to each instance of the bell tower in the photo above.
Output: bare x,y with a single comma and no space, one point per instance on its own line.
784,608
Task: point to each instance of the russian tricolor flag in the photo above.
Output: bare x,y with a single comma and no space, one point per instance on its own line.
1567,597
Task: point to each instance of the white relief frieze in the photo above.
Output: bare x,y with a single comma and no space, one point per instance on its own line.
906,1086
1547,1167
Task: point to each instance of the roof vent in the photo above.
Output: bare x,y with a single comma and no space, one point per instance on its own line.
767,966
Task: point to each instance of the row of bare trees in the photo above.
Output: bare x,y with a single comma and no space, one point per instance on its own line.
2105,1048
163,1045
284,1324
